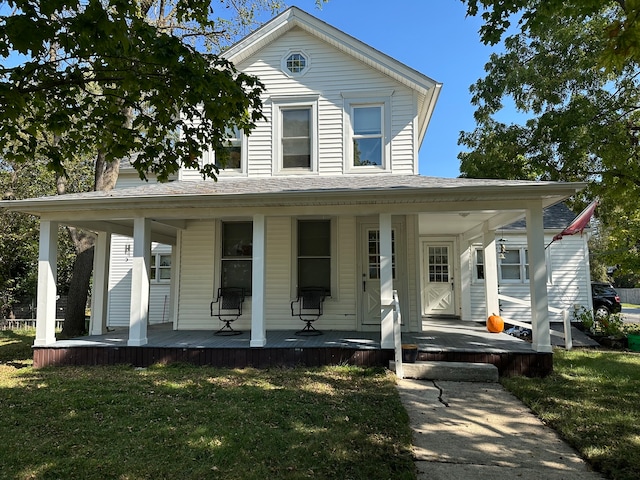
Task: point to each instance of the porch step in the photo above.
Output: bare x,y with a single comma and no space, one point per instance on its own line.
451,371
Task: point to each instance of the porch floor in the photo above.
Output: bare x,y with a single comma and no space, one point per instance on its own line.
439,336
441,340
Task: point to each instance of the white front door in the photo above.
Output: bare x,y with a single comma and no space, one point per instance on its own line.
370,266
437,272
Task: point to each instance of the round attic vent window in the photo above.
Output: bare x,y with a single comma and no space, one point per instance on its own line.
296,63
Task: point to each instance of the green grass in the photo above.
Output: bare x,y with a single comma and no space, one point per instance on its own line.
593,400
188,422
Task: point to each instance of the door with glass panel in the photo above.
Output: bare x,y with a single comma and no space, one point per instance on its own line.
438,293
370,272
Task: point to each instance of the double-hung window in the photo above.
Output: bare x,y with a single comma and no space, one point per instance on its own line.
232,151
294,135
367,126
237,255
514,267
314,254
368,139
479,264
160,267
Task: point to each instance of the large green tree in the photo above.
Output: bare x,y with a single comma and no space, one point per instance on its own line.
571,68
108,79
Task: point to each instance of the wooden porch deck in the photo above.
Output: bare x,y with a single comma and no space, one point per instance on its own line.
441,341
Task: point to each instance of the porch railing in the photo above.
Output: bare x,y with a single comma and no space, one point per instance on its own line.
566,322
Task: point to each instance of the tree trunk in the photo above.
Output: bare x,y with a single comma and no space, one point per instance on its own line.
74,321
106,175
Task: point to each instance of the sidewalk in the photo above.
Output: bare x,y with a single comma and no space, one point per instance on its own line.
464,430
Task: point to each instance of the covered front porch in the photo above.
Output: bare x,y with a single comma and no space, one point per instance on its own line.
441,340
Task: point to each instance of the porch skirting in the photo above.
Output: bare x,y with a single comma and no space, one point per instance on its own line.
531,364
450,341
216,357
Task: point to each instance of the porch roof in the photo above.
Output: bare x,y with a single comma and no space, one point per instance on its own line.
472,201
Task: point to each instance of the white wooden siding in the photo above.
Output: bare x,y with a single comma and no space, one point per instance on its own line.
118,311
340,309
196,276
278,274
569,285
331,73
199,262
119,308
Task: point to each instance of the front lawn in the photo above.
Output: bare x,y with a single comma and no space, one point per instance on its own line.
593,400
191,422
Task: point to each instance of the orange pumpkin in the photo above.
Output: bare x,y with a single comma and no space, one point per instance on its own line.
495,323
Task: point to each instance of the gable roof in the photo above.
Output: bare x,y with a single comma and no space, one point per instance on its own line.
426,88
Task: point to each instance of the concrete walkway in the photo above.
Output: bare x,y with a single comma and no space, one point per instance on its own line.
464,430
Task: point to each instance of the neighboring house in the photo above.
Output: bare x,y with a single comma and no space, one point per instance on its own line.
325,193
567,262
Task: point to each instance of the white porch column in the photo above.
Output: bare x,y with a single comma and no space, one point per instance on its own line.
141,261
490,274
258,327
47,276
466,253
100,295
386,283
541,338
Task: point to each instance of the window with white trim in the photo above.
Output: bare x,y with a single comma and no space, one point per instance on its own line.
296,137
232,151
367,143
295,132
478,271
314,254
237,255
295,63
513,268
160,267
367,125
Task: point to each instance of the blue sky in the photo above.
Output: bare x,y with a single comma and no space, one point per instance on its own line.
433,37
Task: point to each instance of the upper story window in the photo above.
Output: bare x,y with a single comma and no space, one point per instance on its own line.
296,137
295,131
367,137
233,149
295,63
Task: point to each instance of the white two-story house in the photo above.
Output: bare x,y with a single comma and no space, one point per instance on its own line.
325,193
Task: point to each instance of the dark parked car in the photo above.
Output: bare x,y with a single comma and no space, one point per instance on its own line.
605,299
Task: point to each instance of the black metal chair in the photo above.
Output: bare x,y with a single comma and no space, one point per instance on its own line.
308,306
229,308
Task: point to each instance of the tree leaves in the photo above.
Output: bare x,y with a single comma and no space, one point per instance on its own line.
101,77
572,68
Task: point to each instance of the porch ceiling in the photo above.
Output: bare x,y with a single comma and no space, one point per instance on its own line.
465,222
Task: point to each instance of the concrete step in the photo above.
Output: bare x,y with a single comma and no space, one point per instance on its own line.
451,371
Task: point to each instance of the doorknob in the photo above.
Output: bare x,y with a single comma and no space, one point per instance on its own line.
364,282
